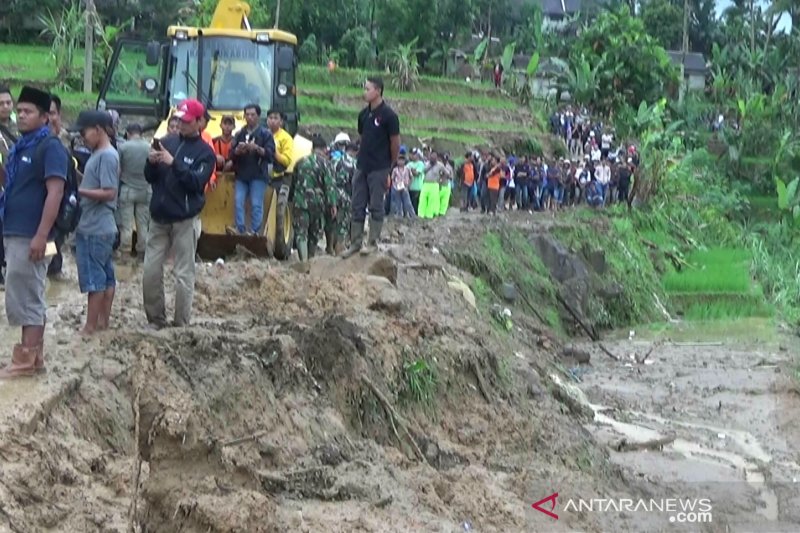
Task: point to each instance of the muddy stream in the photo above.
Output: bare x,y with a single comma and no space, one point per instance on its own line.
711,412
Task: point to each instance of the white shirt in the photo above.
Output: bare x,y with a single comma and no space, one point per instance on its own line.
606,140
603,174
596,154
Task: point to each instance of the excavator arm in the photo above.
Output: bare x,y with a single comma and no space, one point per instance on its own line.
231,14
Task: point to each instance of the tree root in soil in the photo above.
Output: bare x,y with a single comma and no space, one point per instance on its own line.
393,417
482,386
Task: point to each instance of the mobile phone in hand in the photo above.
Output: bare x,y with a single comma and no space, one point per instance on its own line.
156,144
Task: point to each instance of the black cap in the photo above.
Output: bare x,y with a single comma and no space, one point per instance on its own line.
228,119
91,119
134,128
32,95
318,141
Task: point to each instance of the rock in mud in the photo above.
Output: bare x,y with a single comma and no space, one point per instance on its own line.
579,355
533,383
510,293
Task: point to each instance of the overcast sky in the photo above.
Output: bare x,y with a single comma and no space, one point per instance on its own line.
785,23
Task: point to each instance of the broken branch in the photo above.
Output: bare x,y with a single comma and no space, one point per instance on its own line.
654,444
241,440
392,414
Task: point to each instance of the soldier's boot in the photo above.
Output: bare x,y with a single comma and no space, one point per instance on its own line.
356,238
330,241
374,236
302,250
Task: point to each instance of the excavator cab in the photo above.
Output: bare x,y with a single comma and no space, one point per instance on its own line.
226,66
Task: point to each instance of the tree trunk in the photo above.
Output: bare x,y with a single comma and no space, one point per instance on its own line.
88,45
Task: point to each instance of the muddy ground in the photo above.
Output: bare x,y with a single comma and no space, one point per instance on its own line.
293,404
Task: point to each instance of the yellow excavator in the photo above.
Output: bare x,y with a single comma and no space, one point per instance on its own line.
226,66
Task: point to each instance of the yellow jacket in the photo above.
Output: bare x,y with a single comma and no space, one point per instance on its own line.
284,148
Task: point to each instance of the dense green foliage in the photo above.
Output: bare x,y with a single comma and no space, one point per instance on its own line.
632,66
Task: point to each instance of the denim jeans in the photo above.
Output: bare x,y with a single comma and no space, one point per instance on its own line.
94,260
401,204
255,189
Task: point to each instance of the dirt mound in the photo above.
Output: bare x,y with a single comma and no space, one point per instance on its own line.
369,395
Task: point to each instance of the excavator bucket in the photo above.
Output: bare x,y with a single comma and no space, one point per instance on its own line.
276,238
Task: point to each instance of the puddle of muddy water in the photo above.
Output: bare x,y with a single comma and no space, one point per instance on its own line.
750,470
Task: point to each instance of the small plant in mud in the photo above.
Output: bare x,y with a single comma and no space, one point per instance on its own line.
419,382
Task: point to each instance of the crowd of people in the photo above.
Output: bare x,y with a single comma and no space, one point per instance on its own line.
89,188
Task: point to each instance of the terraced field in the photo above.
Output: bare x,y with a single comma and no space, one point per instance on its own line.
447,114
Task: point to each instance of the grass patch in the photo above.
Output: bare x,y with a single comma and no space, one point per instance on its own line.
630,271
426,96
351,77
461,138
719,270
321,107
507,256
418,382
30,63
723,309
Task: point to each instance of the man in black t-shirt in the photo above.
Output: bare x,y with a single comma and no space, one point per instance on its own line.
379,128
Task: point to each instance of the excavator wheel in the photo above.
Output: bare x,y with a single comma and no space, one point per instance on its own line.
278,227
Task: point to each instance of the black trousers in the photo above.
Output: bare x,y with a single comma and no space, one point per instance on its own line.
368,191
57,263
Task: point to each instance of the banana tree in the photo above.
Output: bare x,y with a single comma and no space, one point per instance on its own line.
582,81
404,65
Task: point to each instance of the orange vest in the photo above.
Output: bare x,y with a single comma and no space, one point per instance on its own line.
469,174
494,180
209,141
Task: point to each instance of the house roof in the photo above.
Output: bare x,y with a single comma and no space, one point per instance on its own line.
694,62
567,8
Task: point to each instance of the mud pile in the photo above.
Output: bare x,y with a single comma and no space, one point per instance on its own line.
370,395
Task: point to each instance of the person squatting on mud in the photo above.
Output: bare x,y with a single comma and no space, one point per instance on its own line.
379,128
179,167
314,197
97,229
35,174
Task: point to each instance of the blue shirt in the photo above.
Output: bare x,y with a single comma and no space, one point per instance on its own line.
25,201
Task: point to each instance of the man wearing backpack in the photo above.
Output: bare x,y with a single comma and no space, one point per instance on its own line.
35,171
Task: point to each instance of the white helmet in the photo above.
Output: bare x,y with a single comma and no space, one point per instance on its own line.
341,137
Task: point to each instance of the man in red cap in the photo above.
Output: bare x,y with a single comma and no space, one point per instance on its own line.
179,167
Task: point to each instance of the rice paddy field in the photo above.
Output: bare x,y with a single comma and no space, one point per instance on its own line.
716,285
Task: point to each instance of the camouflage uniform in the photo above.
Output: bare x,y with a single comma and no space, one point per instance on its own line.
344,169
314,196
